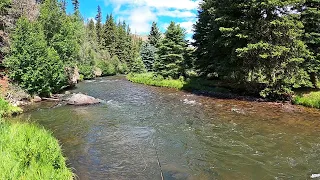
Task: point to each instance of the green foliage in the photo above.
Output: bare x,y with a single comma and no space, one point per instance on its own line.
36,67
148,55
138,66
171,53
253,41
156,80
99,26
6,109
155,35
87,71
30,152
309,100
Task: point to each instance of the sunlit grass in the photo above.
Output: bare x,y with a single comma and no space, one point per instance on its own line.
30,152
311,99
153,80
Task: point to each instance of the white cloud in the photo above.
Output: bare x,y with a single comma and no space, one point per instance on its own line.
188,26
141,13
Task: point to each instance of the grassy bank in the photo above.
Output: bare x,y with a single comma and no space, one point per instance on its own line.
150,79
181,84
310,99
28,151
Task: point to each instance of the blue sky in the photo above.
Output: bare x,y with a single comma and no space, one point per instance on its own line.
141,13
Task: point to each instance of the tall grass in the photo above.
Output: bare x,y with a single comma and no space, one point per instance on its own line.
30,152
311,99
153,80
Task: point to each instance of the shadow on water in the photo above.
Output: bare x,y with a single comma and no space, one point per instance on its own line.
195,137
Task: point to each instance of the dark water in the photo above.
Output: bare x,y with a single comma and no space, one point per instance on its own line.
195,137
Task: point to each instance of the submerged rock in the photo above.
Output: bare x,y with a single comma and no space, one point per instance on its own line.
81,99
36,99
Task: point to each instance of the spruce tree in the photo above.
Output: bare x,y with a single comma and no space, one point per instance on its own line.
75,4
31,63
311,20
252,42
148,55
155,35
171,52
110,35
99,26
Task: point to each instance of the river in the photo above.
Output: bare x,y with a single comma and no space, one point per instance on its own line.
141,131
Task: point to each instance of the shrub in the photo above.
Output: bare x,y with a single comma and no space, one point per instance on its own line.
87,71
6,109
309,100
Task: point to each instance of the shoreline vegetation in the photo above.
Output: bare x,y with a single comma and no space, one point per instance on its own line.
216,89
28,151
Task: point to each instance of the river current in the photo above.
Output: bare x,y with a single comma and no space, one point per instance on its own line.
140,132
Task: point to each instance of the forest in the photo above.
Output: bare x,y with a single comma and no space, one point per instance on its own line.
267,48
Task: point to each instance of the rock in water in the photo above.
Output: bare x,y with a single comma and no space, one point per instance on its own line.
81,99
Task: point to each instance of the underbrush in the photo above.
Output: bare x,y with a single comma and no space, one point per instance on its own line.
6,109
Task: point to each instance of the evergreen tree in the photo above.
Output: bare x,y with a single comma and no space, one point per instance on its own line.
75,4
171,52
148,55
110,35
99,26
250,41
36,67
155,35
311,20
63,4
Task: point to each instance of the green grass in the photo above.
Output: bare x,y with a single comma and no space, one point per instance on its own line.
30,152
191,84
311,99
6,109
152,80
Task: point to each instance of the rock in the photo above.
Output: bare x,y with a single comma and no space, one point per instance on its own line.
73,75
81,99
67,93
36,99
97,72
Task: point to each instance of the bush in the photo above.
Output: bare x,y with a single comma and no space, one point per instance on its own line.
87,71
30,152
6,109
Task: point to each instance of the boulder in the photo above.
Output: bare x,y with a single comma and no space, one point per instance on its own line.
36,99
81,99
73,75
97,72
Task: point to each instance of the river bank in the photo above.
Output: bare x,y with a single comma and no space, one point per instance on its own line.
217,89
28,151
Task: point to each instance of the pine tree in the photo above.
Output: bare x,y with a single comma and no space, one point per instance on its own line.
110,35
63,4
311,20
148,55
155,35
36,67
75,4
99,26
171,52
252,41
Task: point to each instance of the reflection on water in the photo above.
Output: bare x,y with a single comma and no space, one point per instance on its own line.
195,137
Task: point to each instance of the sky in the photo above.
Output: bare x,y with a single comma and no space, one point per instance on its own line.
140,14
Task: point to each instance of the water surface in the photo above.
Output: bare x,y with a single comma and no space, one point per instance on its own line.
192,137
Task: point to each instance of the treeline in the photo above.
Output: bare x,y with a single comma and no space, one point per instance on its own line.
48,47
270,47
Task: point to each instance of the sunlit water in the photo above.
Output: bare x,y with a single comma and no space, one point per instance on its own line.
192,137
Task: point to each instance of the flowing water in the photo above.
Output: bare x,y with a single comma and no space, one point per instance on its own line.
139,128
